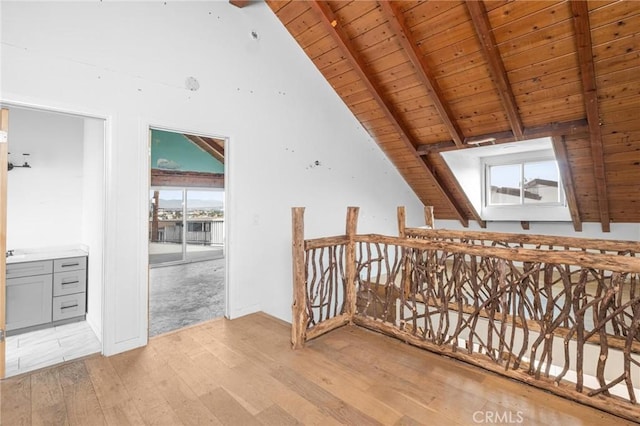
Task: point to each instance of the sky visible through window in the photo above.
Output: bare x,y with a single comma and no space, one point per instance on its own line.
509,175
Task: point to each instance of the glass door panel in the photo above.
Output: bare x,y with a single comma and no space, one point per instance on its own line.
166,225
204,224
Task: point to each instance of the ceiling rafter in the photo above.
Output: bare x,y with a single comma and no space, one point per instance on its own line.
239,3
582,27
577,127
453,181
329,20
209,145
562,157
398,25
496,67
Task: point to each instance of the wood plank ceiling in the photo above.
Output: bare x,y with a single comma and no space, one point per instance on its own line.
430,76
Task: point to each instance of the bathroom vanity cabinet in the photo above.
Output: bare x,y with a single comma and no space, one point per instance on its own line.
45,293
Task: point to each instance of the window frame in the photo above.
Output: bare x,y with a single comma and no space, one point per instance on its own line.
521,211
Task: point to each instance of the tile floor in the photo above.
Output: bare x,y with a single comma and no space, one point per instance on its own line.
42,348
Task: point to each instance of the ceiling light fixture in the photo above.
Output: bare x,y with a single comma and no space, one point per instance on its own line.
481,141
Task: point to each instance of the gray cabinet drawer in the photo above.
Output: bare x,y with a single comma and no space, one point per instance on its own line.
28,269
69,282
69,306
70,264
28,301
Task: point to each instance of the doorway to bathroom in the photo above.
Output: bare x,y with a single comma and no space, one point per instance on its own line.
55,237
186,230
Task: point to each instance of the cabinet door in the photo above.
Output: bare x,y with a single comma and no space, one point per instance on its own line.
29,301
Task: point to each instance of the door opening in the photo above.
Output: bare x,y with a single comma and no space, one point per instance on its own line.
55,237
186,230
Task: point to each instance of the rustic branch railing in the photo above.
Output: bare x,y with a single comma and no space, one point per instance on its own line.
566,320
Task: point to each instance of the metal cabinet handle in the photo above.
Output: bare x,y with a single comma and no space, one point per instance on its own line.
69,307
70,282
66,265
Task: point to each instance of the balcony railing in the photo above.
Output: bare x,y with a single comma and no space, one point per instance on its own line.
562,314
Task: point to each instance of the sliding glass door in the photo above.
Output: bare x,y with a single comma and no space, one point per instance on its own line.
185,225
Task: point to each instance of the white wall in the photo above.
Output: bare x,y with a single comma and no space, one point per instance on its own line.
93,217
44,202
128,62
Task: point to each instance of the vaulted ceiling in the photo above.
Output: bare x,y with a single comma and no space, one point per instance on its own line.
431,76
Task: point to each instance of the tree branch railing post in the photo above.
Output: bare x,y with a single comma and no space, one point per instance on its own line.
428,217
350,264
299,317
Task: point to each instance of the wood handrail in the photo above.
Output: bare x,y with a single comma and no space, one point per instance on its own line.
533,239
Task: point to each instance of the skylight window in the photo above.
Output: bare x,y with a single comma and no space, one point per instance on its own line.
517,181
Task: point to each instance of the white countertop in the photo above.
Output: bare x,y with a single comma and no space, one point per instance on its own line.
32,255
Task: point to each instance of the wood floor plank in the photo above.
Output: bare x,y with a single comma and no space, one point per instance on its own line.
114,397
185,403
15,401
327,402
48,404
243,372
227,409
80,398
275,415
153,408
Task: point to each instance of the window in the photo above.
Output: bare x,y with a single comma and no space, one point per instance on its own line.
528,182
517,181
522,186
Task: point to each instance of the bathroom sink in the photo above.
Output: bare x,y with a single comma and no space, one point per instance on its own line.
16,258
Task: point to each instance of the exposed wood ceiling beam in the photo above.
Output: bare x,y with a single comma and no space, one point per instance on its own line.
161,177
209,145
582,29
568,128
453,181
216,144
562,157
239,3
496,66
423,71
330,21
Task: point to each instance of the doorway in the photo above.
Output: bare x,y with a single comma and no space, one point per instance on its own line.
55,217
186,230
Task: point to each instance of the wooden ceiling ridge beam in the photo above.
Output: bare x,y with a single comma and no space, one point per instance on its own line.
567,128
562,157
498,72
582,27
398,25
329,20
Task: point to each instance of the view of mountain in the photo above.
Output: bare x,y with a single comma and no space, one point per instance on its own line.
193,204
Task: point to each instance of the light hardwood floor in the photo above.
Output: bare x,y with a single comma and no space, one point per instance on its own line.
243,372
